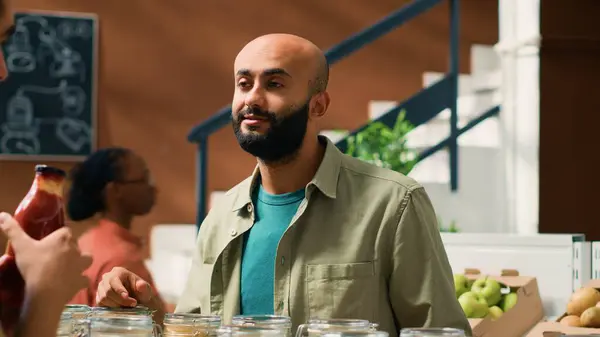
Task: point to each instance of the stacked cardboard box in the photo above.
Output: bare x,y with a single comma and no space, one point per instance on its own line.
517,321
556,329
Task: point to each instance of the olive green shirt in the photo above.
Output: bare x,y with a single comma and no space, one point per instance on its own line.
363,244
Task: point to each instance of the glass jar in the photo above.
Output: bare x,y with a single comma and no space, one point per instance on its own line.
80,314
124,326
190,325
317,327
431,332
248,331
70,326
65,324
265,321
79,311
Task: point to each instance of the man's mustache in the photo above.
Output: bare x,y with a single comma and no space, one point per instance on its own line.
256,112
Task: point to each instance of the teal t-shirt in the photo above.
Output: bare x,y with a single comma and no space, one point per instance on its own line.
273,214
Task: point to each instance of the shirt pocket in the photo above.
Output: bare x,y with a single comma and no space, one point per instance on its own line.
341,290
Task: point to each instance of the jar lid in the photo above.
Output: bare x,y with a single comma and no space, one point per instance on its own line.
262,320
243,330
122,323
66,316
77,308
191,319
340,321
138,310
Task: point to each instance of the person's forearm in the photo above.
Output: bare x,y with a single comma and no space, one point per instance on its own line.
40,315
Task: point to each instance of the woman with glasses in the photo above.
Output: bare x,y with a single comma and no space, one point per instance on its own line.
113,184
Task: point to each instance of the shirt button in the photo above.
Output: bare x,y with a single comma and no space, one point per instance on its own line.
282,260
233,232
249,208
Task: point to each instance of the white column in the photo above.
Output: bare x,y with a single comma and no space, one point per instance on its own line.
519,53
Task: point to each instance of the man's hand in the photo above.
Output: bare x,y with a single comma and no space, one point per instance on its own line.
52,267
122,288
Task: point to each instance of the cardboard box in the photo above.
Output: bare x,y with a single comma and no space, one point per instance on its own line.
517,321
555,329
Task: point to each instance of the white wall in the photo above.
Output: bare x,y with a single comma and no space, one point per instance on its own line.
518,48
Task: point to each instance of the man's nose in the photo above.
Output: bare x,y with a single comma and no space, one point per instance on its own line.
3,69
255,98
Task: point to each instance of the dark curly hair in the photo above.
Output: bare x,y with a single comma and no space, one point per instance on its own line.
88,180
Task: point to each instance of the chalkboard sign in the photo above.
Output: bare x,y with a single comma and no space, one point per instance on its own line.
48,101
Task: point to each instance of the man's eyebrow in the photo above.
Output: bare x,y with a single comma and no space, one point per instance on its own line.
276,71
266,72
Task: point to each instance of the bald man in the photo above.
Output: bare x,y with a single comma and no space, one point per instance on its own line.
312,233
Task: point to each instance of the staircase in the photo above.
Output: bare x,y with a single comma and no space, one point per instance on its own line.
449,106
479,197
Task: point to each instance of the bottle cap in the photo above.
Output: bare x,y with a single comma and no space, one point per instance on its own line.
49,169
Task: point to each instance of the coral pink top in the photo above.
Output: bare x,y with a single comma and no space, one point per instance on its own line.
110,245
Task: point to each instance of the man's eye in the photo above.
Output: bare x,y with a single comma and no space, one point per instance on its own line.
275,85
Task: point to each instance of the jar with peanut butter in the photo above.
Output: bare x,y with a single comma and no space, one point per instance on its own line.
283,323
190,325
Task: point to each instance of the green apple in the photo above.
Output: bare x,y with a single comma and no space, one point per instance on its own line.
473,305
509,301
495,312
489,289
461,284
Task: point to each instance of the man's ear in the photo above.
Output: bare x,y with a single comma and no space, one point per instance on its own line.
320,104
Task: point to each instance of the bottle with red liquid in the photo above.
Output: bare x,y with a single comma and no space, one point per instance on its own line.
40,213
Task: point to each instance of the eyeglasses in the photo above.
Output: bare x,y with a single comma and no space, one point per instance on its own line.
149,181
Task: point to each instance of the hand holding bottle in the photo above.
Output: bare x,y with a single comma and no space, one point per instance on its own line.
52,266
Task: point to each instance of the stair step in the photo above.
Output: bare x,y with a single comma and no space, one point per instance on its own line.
469,106
484,58
485,134
435,169
468,83
471,203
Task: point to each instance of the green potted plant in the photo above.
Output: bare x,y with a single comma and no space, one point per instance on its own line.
384,146
452,228
387,147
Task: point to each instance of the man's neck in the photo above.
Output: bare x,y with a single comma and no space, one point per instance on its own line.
292,175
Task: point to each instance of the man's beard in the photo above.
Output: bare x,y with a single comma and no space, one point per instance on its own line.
281,141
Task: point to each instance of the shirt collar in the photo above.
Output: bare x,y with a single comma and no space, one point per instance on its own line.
325,179
111,228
